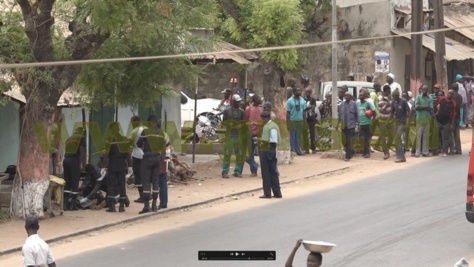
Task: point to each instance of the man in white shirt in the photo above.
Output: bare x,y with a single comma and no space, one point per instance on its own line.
137,155
35,251
393,85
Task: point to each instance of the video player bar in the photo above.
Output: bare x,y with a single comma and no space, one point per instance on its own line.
237,255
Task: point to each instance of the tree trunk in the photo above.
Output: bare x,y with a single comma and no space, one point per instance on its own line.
273,92
32,178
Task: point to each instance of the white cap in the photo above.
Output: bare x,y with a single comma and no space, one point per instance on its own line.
236,98
391,76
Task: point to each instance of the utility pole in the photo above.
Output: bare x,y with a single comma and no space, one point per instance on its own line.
416,45
334,68
440,46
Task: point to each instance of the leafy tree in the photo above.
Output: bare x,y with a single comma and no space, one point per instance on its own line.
47,31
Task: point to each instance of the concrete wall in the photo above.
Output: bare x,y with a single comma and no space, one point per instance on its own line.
10,134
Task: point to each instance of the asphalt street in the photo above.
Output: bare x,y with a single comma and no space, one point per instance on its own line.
410,217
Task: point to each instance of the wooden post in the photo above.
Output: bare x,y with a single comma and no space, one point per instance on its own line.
416,45
440,46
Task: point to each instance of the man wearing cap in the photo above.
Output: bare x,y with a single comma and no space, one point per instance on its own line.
74,161
400,112
348,115
267,145
393,85
295,120
226,101
424,109
267,106
463,94
233,119
35,251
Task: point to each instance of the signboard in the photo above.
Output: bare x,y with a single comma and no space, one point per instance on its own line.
382,62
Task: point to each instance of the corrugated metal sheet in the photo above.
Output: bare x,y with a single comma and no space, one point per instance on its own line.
241,58
452,20
454,50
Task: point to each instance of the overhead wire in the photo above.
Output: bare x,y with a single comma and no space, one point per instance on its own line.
214,53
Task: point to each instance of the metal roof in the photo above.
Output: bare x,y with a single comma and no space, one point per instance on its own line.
454,50
241,58
453,20
68,98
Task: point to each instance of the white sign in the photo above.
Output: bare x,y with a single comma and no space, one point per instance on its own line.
382,61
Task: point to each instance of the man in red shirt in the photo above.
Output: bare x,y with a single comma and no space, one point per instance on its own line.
252,114
445,114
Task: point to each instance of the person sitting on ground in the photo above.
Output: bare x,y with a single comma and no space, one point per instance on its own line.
94,183
315,259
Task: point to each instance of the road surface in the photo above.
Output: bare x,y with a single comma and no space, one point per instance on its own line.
410,217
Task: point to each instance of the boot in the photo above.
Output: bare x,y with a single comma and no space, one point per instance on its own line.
146,208
74,205
123,203
99,198
66,201
111,205
154,208
140,193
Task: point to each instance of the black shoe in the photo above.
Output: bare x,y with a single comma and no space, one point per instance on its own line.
127,202
111,208
122,207
265,196
138,200
154,208
278,196
144,210
161,207
238,175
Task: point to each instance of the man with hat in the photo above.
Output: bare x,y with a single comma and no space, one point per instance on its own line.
348,115
267,106
35,251
400,112
268,141
393,85
233,119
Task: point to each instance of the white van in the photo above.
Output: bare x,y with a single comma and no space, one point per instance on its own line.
204,104
353,86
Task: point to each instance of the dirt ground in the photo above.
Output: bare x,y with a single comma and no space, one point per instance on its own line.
308,174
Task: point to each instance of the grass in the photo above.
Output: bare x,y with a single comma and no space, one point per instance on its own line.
4,216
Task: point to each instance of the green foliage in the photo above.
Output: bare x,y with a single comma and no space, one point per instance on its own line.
4,216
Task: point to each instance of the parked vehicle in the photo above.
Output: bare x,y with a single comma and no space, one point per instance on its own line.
353,86
204,104
206,127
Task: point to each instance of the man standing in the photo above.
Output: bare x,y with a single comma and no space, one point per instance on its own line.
267,106
434,130
311,118
463,94
348,115
117,158
137,155
252,114
235,89
400,112
445,114
393,85
424,109
153,143
456,135
35,251
366,113
233,119
295,119
410,133
74,161
385,120
163,178
268,142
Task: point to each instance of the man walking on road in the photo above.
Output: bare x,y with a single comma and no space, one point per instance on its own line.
295,119
348,115
400,112
35,251
268,142
233,119
424,108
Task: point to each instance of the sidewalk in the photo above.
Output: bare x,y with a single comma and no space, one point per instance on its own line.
208,187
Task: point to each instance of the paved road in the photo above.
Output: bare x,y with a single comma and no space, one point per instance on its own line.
411,217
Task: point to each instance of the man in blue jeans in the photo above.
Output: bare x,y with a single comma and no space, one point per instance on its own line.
295,120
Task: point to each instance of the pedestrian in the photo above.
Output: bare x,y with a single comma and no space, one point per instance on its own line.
117,159
268,142
325,125
233,120
370,78
153,143
348,115
267,106
366,113
468,86
295,120
73,164
137,155
35,251
163,178
456,134
400,112
311,120
393,85
235,89
424,110
315,259
252,114
463,94
434,129
445,114
385,120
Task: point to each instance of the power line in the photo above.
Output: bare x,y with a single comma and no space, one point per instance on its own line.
203,54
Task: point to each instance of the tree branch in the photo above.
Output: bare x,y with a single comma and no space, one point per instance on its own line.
46,5
25,7
231,8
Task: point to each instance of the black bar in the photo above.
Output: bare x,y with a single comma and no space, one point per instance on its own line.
237,255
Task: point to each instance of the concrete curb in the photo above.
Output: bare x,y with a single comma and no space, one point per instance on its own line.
146,215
